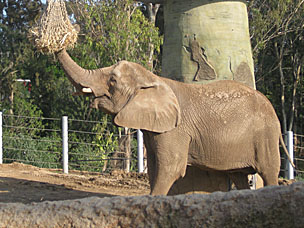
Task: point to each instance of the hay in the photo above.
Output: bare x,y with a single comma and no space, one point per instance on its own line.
54,30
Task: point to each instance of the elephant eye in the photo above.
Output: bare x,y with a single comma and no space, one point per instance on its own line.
112,80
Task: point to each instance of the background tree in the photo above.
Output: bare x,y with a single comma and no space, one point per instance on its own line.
206,41
277,39
110,31
15,18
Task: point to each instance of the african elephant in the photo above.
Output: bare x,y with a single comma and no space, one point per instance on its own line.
197,180
223,126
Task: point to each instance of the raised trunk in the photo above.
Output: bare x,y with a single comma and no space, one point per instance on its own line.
79,76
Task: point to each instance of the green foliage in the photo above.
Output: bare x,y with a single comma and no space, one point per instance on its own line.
270,20
42,152
115,30
111,31
93,149
300,177
276,27
23,106
106,142
15,17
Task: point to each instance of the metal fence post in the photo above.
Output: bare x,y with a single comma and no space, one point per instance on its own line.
1,144
140,151
65,147
127,149
290,169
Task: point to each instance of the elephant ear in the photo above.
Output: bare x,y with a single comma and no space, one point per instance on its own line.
154,108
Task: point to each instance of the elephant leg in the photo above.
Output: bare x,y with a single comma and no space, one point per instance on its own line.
240,180
270,177
268,157
151,167
170,163
164,181
270,172
151,162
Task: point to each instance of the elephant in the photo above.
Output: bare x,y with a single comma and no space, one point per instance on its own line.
222,126
197,180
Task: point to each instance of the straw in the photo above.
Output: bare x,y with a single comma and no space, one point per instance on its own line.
54,30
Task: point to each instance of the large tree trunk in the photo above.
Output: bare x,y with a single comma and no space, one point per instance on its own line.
207,40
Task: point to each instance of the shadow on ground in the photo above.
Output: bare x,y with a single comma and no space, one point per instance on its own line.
14,190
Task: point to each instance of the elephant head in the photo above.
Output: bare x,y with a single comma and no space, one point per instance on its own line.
133,95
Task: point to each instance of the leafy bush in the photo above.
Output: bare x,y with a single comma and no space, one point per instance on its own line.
43,152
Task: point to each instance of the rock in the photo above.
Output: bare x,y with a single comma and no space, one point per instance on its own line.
276,206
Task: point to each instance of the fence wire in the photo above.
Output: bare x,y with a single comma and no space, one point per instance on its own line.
93,145
299,155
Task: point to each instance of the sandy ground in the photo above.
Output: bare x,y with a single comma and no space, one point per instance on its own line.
25,184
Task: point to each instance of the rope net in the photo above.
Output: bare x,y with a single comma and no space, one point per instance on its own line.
54,30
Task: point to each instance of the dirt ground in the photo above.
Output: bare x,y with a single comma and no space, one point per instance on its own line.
25,184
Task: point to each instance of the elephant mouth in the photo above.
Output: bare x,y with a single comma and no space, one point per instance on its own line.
89,91
99,102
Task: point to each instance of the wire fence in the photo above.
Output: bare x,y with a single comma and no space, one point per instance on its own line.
92,145
96,146
299,155
295,145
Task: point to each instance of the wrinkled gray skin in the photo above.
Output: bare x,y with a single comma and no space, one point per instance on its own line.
223,126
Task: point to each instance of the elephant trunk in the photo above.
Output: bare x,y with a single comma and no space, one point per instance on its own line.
79,77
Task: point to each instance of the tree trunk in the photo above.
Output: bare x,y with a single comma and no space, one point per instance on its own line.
207,40
152,10
294,91
279,55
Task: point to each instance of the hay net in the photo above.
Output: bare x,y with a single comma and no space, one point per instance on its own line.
54,30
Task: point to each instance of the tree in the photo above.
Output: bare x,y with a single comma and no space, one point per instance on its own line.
15,17
277,39
113,31
206,40
110,31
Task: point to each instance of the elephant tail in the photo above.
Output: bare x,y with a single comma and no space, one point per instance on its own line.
286,151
